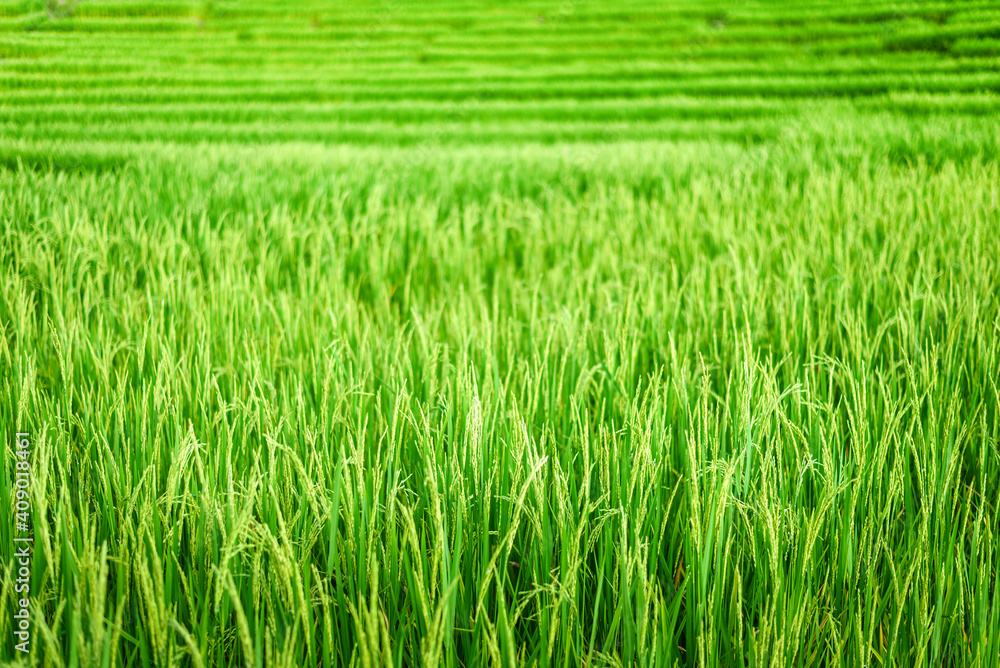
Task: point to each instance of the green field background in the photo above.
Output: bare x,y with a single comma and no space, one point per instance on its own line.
526,333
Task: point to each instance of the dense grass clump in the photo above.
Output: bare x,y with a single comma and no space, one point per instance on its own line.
288,412
462,334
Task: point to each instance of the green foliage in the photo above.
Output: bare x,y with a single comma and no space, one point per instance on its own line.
520,353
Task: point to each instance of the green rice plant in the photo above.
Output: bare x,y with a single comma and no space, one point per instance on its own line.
455,459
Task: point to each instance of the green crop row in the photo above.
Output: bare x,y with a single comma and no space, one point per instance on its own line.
977,47
772,87
430,134
307,66
124,73
606,111
323,56
456,133
406,112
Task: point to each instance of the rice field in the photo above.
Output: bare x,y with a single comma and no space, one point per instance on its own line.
467,333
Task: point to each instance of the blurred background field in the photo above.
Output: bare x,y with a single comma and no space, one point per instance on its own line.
393,73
